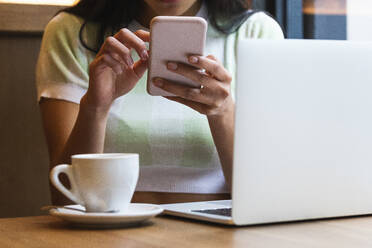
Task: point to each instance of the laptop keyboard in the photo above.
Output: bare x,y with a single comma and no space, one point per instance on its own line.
218,211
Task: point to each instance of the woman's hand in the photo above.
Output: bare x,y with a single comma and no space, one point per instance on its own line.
113,72
213,98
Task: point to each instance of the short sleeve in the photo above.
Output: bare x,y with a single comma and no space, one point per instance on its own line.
261,26
258,26
62,67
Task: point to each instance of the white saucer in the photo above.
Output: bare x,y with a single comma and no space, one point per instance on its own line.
135,214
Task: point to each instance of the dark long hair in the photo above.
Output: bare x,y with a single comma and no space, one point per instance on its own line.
226,16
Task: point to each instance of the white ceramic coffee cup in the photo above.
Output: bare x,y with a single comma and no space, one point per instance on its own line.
99,182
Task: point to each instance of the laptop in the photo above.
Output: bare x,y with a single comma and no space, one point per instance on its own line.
303,134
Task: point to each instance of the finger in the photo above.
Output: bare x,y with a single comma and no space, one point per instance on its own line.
131,40
193,94
143,35
201,108
113,46
212,65
212,57
193,74
106,60
140,67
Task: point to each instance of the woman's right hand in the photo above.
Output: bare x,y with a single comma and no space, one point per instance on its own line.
113,73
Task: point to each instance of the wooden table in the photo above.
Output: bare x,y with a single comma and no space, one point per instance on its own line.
48,231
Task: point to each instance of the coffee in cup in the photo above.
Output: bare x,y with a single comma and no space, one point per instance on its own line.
99,182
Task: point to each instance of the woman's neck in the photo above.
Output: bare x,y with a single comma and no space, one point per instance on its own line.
144,18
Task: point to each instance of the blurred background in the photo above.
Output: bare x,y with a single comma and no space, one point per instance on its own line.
24,186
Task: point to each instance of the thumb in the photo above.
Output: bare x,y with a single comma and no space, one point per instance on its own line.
140,67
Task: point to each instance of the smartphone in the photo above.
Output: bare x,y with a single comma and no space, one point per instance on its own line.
173,38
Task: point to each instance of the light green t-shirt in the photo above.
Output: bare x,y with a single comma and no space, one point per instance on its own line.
177,153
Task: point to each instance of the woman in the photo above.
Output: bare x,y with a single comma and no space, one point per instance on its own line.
91,86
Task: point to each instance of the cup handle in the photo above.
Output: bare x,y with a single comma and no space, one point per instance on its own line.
72,194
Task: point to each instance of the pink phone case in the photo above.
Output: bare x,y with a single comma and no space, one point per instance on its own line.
173,38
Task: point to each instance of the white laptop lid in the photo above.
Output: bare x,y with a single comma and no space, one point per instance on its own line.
303,135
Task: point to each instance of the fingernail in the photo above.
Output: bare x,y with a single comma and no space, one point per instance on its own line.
158,82
144,55
193,59
172,66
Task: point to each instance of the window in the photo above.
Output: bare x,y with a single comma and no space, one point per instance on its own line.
359,20
323,19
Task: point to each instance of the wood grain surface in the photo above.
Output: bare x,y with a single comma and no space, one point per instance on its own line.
26,17
48,231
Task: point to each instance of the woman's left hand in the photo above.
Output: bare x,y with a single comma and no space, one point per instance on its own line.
213,98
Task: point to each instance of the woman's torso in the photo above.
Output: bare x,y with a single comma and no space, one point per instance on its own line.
177,153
